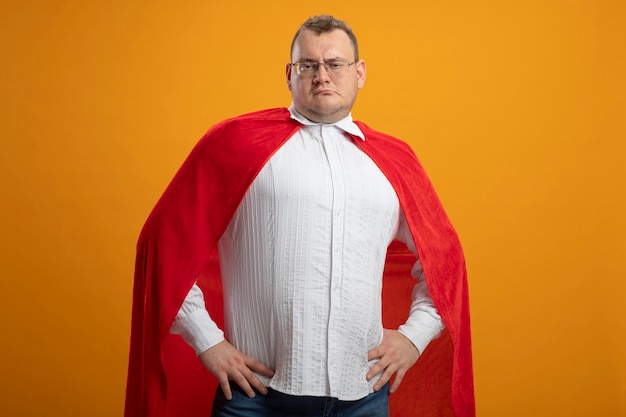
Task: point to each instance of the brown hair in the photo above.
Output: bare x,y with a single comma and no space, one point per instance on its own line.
326,23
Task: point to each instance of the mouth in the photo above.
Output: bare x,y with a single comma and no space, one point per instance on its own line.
324,92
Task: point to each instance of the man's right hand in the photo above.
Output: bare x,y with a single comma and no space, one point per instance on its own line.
229,364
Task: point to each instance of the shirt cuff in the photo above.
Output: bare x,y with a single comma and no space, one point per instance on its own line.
421,329
198,330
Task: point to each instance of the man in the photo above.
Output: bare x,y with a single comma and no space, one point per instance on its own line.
301,204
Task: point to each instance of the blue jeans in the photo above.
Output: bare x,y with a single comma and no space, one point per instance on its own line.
276,404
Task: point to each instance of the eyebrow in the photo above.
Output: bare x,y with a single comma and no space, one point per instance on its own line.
338,58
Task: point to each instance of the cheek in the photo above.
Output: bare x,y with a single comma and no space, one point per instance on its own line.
298,88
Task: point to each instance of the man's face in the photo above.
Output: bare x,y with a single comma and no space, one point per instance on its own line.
325,97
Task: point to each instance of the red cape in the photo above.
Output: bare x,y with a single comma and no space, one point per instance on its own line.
178,244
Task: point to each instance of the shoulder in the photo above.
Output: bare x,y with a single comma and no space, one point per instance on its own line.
267,117
383,140
248,132
251,126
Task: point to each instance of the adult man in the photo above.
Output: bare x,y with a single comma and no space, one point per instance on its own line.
309,203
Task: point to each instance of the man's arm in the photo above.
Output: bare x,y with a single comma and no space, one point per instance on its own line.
400,349
217,355
195,325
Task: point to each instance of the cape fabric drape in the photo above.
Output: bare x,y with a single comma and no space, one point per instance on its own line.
178,244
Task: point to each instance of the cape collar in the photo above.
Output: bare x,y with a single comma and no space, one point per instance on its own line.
346,124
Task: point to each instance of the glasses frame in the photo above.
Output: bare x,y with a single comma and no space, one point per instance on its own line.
316,66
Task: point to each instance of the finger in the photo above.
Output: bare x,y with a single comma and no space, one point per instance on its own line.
381,382
252,380
259,367
375,370
384,378
258,385
254,366
243,383
397,381
375,354
225,386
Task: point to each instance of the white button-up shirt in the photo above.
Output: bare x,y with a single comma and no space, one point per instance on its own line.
302,263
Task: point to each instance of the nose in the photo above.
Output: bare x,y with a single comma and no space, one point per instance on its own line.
321,75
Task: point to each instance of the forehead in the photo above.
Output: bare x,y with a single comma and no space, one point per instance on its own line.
327,45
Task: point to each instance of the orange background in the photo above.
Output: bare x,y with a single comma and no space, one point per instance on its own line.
518,111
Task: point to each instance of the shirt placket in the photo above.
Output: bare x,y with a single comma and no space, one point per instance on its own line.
329,140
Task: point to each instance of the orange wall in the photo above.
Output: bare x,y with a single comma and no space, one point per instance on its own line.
517,110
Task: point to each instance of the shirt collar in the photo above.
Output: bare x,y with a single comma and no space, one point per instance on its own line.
346,124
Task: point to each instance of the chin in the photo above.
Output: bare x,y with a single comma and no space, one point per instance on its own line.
327,109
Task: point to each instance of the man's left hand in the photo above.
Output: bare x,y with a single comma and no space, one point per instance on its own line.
395,354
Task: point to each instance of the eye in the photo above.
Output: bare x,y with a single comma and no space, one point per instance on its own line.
336,65
306,67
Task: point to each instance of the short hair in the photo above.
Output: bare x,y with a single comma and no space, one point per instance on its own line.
326,23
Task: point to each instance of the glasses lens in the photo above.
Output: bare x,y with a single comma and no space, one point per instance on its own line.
306,68
310,68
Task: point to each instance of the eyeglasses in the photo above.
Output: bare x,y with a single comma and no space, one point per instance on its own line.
308,69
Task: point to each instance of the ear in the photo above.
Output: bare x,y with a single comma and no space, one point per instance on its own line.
361,71
288,75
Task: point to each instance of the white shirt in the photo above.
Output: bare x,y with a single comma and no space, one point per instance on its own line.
302,262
